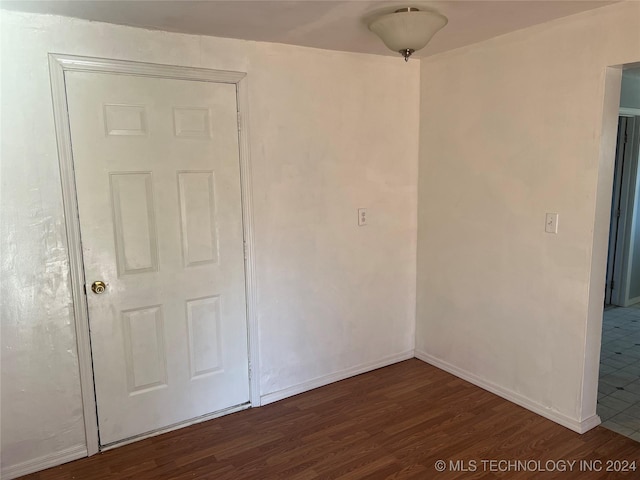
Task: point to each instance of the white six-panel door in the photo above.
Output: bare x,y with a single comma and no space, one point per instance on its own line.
158,186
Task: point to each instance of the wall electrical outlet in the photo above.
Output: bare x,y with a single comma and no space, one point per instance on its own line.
362,217
551,223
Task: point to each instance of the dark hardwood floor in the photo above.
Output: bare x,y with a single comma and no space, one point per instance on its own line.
392,423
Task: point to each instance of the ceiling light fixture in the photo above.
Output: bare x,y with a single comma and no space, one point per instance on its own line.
407,29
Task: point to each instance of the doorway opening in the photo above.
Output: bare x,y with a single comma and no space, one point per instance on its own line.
619,372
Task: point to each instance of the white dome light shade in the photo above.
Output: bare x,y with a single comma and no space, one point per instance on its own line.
408,29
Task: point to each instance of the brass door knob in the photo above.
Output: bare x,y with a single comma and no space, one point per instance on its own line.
98,287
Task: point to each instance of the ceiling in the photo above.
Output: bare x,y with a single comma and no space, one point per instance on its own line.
334,25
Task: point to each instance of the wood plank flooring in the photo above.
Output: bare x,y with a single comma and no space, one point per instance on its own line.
392,423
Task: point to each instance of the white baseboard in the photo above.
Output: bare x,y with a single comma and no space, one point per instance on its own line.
554,416
80,451
589,423
334,377
47,461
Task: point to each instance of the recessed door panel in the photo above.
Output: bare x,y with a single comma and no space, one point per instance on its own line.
134,222
125,120
197,218
204,336
143,330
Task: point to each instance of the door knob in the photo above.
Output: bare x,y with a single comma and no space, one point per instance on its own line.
98,287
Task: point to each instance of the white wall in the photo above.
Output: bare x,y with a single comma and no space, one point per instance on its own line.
512,128
330,132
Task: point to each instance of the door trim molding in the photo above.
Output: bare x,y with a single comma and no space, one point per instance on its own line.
246,192
58,65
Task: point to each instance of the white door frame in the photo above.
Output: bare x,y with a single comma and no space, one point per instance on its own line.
58,65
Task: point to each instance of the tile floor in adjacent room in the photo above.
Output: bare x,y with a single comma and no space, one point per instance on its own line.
619,385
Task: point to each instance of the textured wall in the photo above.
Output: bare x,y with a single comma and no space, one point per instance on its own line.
511,128
330,132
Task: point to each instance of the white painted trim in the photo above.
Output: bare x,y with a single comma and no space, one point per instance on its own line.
629,111
587,396
141,69
47,461
74,248
588,424
335,377
247,222
518,399
58,65
176,426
